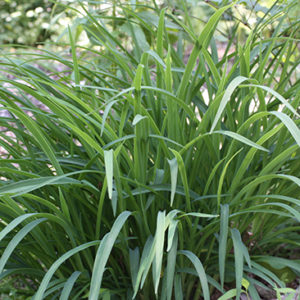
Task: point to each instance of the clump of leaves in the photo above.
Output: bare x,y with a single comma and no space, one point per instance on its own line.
25,22
136,175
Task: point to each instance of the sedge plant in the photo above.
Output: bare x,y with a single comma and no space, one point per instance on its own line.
140,172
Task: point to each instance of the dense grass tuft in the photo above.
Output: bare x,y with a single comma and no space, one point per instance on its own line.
144,169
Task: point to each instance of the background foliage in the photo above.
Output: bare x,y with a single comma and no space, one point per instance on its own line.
29,21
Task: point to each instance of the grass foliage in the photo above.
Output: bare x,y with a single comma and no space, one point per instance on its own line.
146,172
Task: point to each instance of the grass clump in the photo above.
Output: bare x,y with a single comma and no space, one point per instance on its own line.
138,172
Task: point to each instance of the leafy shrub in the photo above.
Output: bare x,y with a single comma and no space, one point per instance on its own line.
127,165
27,21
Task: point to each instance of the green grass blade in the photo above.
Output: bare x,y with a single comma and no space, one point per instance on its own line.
226,97
146,260
105,114
221,181
16,240
278,96
29,185
171,264
199,215
174,171
172,227
160,32
103,253
290,125
65,294
202,41
159,248
13,224
109,168
200,271
134,258
241,139
45,282
238,260
279,262
183,177
40,138
178,288
223,241
74,56
228,295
